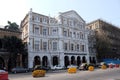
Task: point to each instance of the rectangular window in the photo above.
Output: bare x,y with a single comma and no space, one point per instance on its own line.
65,46
33,18
36,30
82,48
64,21
70,34
65,33
44,31
38,18
37,45
45,20
96,26
41,20
77,47
70,23
45,46
81,35
74,34
51,21
54,46
78,35
54,31
72,47
90,27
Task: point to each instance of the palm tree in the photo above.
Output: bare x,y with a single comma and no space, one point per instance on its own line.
12,26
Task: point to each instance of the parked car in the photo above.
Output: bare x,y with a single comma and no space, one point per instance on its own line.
57,67
83,66
19,70
98,65
104,63
38,67
70,66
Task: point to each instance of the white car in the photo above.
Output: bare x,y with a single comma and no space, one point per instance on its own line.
71,66
57,67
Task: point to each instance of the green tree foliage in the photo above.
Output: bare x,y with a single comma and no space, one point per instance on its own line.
102,45
12,26
14,46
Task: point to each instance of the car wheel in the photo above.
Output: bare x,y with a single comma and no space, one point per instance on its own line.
15,72
26,71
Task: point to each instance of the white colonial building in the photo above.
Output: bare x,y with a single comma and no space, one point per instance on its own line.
55,41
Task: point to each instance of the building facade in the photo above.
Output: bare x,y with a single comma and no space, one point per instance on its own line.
60,40
6,32
92,46
107,39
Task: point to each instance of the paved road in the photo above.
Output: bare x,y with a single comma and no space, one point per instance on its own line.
98,74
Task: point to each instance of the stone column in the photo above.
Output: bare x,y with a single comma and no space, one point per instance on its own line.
61,59
50,60
30,61
21,60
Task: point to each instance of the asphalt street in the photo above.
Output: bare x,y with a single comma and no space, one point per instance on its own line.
98,74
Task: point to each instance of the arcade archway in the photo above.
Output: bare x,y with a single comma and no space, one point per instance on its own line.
78,61
94,60
84,59
37,60
45,61
66,61
73,60
90,60
55,60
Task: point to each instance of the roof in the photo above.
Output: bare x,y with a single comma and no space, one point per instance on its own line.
74,12
9,30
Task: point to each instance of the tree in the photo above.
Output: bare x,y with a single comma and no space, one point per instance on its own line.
102,44
12,26
14,46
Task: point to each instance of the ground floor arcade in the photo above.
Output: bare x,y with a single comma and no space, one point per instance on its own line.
62,59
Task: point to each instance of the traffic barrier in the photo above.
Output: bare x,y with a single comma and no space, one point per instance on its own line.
91,68
110,66
4,76
103,67
38,73
72,70
117,65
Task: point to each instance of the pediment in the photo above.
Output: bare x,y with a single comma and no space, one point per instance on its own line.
72,14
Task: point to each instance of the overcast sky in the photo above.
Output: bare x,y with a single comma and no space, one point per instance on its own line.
89,10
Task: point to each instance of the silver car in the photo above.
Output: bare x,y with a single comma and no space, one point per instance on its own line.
19,70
